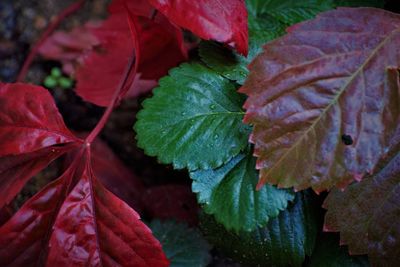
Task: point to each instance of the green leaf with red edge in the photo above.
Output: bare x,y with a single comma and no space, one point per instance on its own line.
222,21
75,221
32,134
367,214
324,99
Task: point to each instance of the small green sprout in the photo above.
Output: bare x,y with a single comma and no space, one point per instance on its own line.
56,79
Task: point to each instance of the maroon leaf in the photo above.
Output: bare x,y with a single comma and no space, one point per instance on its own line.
29,120
223,21
324,99
81,225
70,47
159,47
171,202
115,176
32,134
367,214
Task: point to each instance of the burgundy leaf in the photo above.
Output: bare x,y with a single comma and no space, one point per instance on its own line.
70,47
367,214
16,170
171,202
159,47
115,176
80,225
325,99
32,134
223,21
29,120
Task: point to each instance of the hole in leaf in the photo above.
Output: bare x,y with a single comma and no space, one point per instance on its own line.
347,140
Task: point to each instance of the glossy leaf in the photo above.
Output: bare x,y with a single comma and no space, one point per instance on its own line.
158,46
80,225
229,193
182,245
222,21
330,79
233,66
29,120
328,253
32,134
194,119
285,241
367,214
175,202
267,20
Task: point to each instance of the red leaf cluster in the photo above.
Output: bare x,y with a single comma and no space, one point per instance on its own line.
75,220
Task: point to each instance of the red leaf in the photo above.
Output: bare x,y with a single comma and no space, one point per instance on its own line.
223,21
171,202
32,134
29,120
81,225
324,99
159,46
115,175
70,47
367,214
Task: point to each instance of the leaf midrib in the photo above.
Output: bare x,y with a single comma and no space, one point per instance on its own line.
335,99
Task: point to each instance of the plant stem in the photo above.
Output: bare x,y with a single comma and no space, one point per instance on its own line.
50,29
115,99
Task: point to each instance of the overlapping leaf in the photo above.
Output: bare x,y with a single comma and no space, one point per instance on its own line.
115,176
285,241
324,99
183,246
229,193
32,134
158,46
194,119
267,20
367,214
81,225
222,21
73,221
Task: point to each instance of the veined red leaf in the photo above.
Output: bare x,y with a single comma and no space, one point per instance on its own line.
325,99
29,120
367,214
223,21
156,40
32,134
75,221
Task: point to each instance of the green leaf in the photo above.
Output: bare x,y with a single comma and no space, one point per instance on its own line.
329,253
56,73
182,245
268,20
285,241
229,193
232,65
194,119
289,11
360,3
50,82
